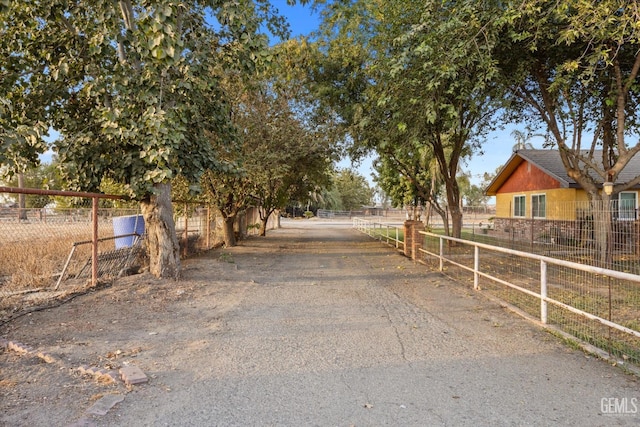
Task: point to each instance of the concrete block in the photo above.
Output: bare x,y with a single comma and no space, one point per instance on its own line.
132,375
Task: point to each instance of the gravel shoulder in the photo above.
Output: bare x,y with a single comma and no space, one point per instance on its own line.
315,324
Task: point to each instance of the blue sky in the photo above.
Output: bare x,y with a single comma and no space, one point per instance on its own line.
302,19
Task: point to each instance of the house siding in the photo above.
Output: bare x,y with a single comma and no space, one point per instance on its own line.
559,202
527,180
568,221
563,204
568,218
528,177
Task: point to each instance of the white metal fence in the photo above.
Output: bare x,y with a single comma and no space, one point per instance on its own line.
364,212
477,216
600,307
587,232
388,233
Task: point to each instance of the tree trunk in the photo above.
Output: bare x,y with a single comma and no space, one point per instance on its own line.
602,226
264,220
163,246
445,222
228,231
263,226
427,217
453,200
456,221
443,214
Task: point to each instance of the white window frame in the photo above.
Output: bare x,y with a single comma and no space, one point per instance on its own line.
545,205
523,209
626,214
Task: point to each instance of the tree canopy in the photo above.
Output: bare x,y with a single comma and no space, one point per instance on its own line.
276,157
352,189
132,87
412,74
571,68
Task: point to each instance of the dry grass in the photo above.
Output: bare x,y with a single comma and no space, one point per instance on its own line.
34,264
33,255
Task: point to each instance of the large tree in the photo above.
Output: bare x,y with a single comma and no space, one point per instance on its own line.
227,189
408,172
353,189
472,194
417,72
295,140
572,68
294,161
449,102
280,152
132,87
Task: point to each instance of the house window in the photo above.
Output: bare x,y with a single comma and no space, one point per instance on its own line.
627,205
519,206
539,206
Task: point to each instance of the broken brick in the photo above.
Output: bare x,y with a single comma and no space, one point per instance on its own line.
132,375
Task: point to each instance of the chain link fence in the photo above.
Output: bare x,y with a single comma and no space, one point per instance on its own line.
46,253
36,242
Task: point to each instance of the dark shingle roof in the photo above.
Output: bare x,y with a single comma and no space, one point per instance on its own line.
549,162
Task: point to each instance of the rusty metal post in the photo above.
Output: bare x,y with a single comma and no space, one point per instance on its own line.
208,227
94,242
186,230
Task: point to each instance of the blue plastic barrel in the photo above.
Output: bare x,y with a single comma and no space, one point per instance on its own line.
127,225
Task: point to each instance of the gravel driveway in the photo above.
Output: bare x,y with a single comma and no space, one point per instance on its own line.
315,324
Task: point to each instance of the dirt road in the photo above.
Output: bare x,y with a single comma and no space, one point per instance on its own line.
314,325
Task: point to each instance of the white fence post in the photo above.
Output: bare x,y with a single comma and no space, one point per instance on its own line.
476,267
543,294
543,291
